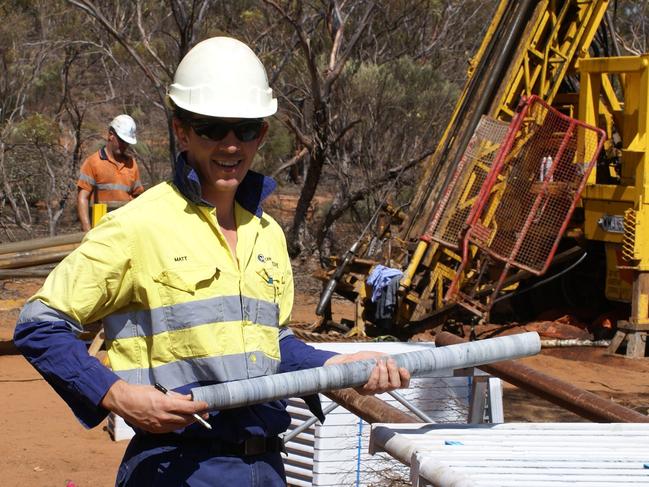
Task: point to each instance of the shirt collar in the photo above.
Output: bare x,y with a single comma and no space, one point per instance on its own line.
252,191
103,155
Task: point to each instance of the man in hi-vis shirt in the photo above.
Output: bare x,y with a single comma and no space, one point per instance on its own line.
110,175
194,286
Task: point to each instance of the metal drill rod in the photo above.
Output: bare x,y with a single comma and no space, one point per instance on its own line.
308,423
411,407
322,379
579,401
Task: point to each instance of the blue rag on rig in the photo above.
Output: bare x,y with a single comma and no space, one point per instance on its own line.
380,278
385,284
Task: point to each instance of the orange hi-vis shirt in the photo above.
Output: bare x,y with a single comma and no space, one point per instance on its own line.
109,181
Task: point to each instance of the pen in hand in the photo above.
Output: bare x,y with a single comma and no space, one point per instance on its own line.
164,390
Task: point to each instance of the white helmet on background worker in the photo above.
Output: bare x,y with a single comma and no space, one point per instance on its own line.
222,77
124,127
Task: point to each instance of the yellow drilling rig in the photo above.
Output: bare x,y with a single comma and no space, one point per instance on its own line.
541,172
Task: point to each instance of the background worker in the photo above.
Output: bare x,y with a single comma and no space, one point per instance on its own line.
197,289
111,174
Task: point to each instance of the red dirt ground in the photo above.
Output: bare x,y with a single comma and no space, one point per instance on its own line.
44,446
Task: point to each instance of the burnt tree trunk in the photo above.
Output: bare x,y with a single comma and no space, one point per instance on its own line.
317,159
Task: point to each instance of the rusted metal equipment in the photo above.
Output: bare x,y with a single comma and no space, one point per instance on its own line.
370,408
581,402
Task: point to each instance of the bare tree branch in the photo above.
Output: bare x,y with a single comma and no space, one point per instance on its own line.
342,60
91,9
304,140
291,162
147,44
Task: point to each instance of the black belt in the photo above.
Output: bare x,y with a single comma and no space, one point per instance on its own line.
257,445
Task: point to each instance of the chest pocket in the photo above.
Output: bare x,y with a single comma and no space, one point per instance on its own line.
190,296
187,280
270,283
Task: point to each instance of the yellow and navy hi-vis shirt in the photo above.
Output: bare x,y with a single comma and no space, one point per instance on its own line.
176,307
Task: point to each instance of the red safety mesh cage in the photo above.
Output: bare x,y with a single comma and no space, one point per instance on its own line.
529,195
452,209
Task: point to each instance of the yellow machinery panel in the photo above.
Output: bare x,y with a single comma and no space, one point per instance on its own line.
606,206
619,281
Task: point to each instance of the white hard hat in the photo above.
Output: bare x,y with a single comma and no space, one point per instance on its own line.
222,77
124,127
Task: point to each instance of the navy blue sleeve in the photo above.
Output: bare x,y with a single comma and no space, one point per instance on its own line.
62,359
297,355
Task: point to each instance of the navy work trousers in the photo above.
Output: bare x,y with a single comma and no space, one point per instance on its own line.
149,463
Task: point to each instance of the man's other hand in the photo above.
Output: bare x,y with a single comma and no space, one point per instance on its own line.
385,376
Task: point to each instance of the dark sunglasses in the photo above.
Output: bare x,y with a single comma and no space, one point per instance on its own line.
245,130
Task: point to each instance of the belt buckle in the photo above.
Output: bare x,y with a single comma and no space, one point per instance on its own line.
254,446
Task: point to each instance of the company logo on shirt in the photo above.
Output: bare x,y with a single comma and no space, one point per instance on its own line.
263,259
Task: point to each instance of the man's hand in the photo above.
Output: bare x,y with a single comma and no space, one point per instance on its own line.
149,409
385,376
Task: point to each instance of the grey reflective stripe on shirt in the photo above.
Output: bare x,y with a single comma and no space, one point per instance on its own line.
221,369
87,179
37,311
284,331
136,184
114,187
186,315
